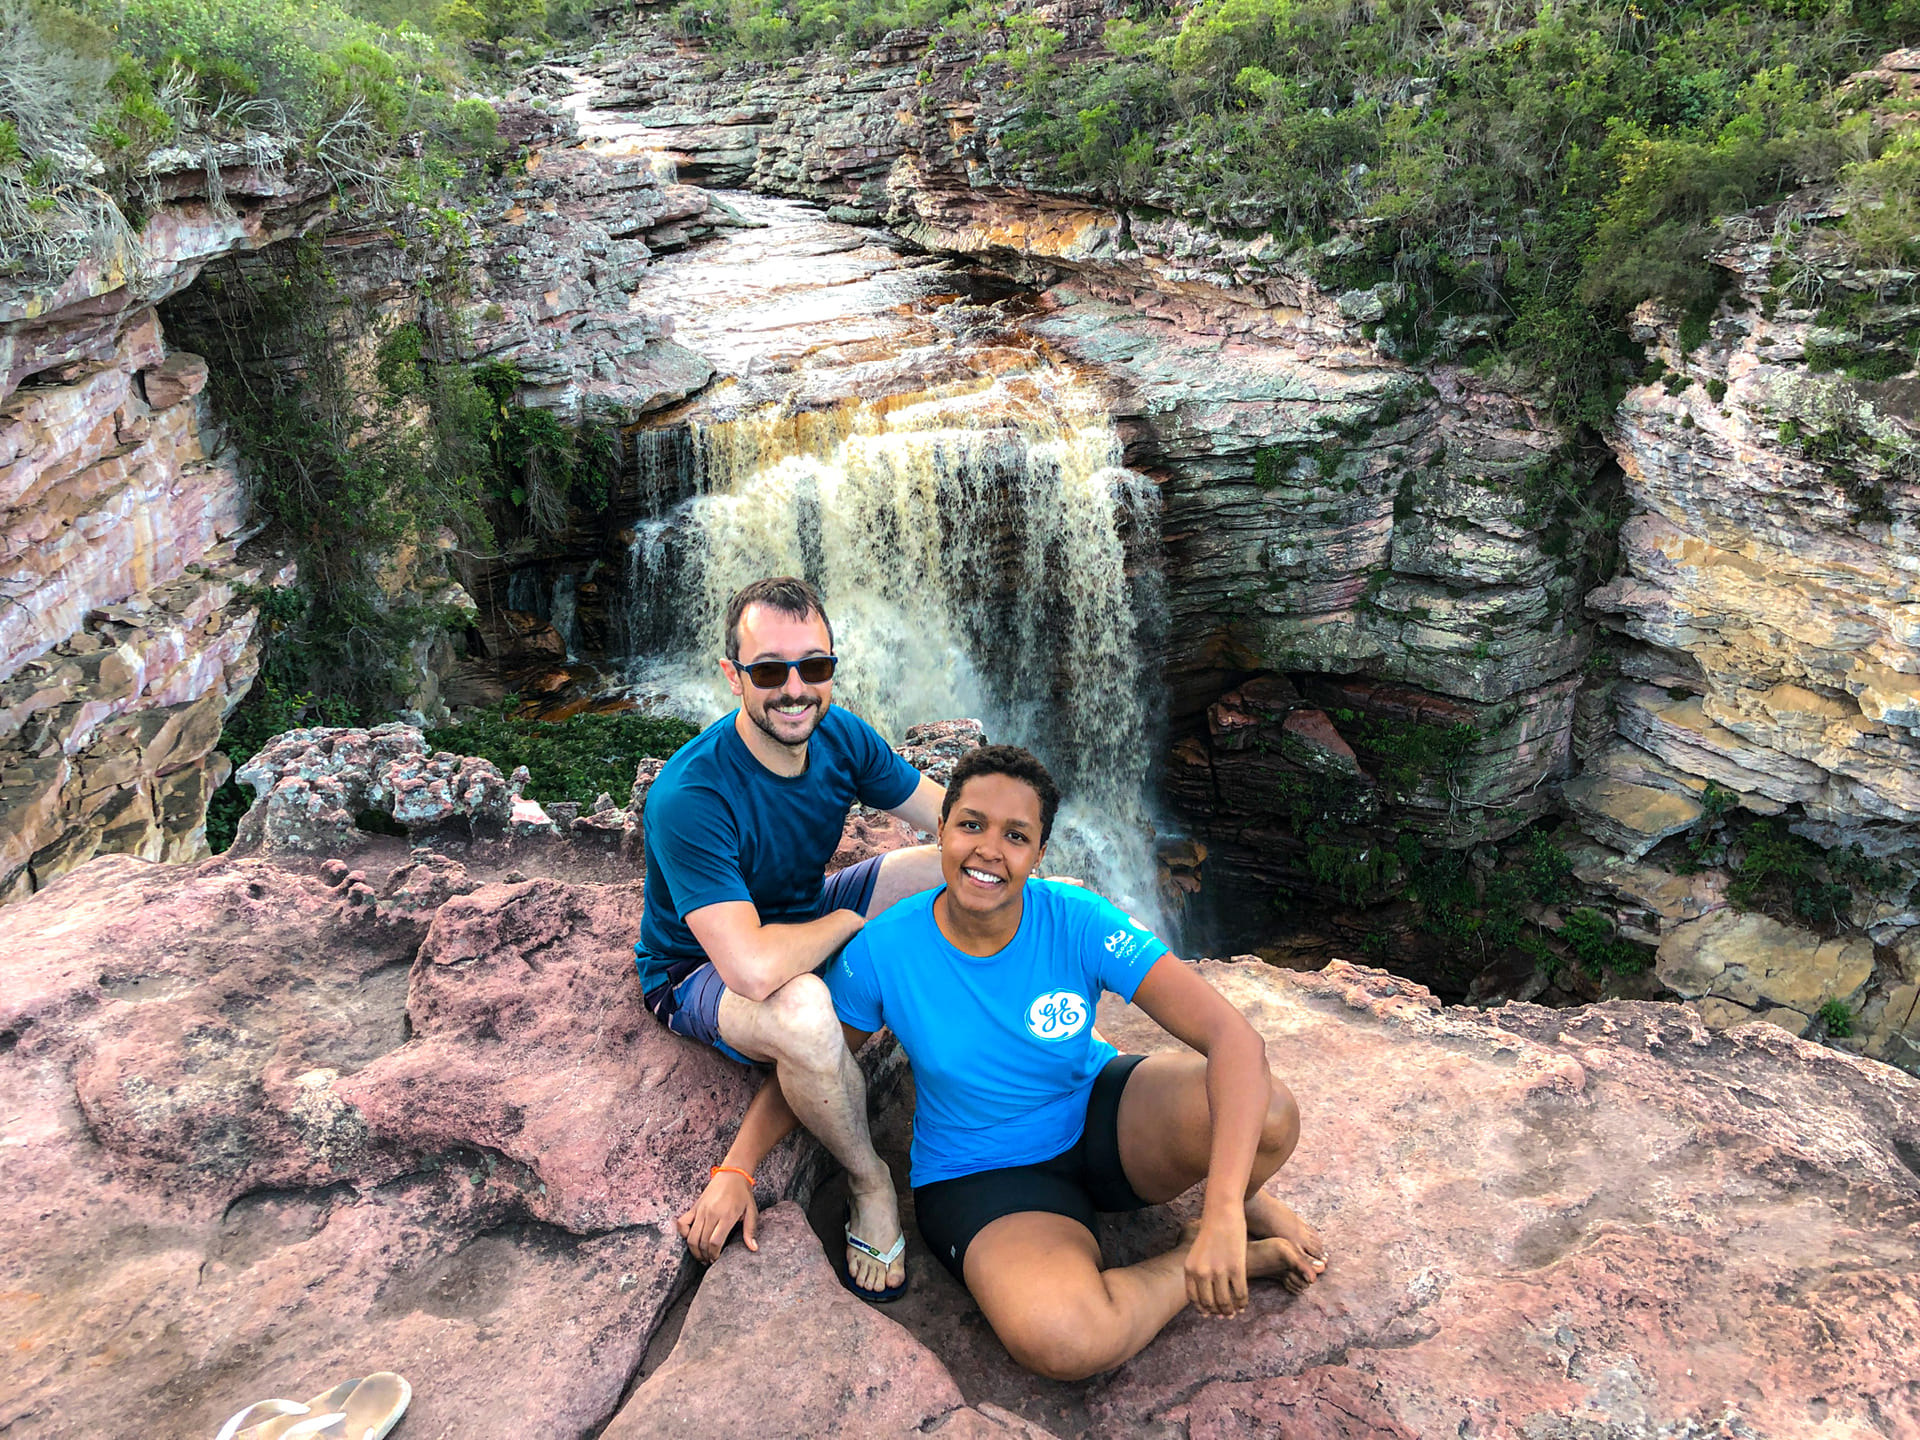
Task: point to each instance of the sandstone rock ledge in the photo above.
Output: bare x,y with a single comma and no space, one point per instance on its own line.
268,1121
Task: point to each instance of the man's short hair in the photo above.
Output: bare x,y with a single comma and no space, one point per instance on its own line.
1016,764
788,594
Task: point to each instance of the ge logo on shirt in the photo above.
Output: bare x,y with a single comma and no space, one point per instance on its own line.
1059,1015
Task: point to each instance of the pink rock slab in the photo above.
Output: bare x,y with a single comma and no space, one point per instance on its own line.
231,1173
1604,1222
1599,1221
773,1346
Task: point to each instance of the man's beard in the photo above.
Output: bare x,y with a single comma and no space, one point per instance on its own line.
763,721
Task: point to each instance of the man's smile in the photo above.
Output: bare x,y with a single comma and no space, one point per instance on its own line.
982,877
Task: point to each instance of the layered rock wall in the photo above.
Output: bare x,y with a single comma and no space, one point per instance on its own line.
122,639
125,637
1417,532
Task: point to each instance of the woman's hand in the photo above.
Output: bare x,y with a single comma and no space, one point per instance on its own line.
1217,1264
727,1201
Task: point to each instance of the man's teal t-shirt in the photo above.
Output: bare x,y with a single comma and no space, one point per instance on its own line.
1002,1046
721,826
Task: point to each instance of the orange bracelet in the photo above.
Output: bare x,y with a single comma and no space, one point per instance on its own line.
729,1169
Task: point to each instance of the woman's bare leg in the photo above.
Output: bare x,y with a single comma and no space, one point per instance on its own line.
1038,1280
1166,1139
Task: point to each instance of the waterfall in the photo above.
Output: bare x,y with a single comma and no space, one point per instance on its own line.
564,612
971,546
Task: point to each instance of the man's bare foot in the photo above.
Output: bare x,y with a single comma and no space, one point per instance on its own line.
876,1220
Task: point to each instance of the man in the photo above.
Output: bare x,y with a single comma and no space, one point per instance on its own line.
739,827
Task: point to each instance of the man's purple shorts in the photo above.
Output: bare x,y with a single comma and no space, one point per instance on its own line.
696,999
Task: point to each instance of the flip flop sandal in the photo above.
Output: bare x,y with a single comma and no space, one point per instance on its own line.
375,1406
885,1257
258,1413
364,1409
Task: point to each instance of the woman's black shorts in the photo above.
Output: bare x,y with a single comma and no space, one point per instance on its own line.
1082,1180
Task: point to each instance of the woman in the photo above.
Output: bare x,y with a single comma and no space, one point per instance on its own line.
1028,1122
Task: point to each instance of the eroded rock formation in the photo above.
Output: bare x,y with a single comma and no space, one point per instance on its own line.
1404,551
1325,508
122,643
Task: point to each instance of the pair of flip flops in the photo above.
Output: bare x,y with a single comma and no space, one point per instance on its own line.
885,1257
364,1409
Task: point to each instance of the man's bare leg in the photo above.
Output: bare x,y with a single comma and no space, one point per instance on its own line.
796,1029
903,873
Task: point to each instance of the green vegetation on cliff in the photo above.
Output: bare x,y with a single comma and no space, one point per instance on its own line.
374,95
1544,167
775,30
577,759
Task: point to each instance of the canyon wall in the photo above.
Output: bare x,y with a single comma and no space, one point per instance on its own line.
1327,510
126,540
123,640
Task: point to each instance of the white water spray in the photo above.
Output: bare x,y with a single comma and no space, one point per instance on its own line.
972,551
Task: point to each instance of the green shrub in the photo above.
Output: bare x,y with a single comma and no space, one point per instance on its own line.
1590,936
1790,878
774,30
90,88
576,759
1836,1017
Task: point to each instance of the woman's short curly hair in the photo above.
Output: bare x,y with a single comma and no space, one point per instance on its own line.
1016,764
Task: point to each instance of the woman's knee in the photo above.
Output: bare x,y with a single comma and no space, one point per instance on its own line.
1281,1130
1071,1346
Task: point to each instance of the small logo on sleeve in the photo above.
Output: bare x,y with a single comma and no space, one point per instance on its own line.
1124,944
1057,1015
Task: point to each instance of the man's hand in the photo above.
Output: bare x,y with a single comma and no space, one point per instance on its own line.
1217,1264
728,1201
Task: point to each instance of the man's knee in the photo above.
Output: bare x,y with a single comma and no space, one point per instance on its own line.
1281,1130
799,1024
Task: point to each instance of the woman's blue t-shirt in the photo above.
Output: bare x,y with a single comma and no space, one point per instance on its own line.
1002,1045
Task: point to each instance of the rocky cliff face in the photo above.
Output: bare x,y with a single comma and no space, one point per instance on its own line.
124,635
1327,510
122,643
1366,556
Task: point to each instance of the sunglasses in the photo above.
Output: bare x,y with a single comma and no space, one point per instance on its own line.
772,674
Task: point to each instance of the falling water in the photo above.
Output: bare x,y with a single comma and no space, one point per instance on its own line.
564,612
971,548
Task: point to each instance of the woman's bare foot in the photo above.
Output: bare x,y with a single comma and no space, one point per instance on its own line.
1272,1257
1270,1219
1278,1259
